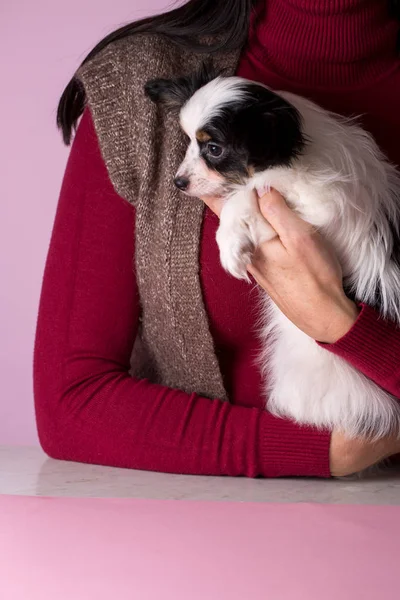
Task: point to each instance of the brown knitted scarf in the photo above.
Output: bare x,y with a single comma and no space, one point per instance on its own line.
142,147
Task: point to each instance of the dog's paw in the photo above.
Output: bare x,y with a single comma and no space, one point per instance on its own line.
263,189
236,249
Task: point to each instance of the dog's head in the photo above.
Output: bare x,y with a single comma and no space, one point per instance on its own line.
235,128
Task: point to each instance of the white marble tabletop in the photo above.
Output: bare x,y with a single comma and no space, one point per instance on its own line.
28,471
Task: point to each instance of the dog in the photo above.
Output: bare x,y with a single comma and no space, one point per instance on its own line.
244,138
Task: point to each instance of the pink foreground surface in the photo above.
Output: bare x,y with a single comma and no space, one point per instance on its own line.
70,548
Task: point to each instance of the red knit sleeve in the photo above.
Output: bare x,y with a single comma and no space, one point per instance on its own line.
88,408
373,347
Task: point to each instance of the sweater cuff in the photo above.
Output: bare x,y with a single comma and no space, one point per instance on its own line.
288,449
369,344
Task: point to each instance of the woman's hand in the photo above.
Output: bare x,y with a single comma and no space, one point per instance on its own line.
303,277
300,272
349,456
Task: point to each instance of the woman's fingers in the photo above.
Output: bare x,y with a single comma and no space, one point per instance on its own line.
284,220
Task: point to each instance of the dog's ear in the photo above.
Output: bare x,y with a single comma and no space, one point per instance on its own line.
174,93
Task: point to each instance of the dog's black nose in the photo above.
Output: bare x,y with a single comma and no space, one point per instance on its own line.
182,183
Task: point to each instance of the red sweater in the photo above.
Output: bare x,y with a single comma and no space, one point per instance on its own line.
88,408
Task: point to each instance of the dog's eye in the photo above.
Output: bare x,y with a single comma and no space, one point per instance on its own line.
214,149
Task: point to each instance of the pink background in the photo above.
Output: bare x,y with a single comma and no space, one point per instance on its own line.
162,550
41,44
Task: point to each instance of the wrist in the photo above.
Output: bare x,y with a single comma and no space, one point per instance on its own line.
344,316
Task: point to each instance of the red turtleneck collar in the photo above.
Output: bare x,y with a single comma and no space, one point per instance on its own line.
320,43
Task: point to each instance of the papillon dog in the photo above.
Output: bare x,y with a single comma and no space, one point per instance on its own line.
244,138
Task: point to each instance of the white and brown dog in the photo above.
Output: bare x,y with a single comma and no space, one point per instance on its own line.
244,137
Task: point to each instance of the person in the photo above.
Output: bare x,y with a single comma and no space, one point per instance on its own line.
145,350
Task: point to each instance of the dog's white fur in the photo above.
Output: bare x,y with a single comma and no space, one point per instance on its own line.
343,185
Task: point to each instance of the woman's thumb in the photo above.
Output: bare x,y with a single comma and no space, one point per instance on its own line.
274,208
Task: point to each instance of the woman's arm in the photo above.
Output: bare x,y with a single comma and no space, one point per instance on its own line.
303,278
372,345
88,408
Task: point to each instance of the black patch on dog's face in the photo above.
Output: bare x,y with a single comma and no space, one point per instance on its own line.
270,128
262,132
174,93
232,163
